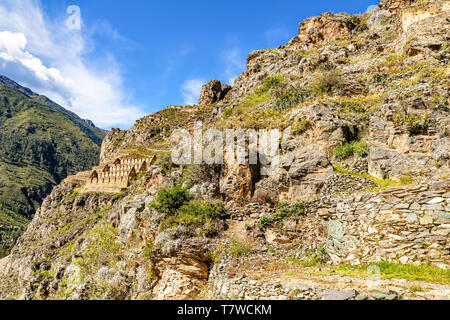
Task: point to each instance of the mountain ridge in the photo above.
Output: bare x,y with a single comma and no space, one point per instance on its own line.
32,157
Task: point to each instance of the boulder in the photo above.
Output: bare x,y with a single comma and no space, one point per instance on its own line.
276,238
236,181
324,28
339,295
212,92
307,169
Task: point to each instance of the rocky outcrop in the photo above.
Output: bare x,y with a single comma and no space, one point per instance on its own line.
362,102
181,278
424,29
307,170
237,181
323,29
395,5
212,92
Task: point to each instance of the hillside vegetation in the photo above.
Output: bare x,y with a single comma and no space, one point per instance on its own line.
358,207
41,144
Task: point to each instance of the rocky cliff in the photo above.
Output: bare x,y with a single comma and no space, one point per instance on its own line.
358,204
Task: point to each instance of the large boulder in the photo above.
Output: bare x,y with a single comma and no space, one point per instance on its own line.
212,92
324,28
308,169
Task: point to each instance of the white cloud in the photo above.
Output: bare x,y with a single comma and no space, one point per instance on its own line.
191,90
12,49
49,58
234,64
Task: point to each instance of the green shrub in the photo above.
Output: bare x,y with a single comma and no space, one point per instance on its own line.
71,198
201,215
265,222
270,83
349,149
166,165
119,196
379,78
170,200
292,98
240,248
301,126
296,210
413,123
286,211
195,174
326,83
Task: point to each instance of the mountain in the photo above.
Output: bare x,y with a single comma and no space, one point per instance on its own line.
41,143
358,207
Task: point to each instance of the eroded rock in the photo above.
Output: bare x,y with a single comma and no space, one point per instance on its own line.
212,92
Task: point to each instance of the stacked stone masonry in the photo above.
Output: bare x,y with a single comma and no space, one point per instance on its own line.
112,177
401,225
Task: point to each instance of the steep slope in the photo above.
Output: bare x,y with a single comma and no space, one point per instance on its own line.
41,143
359,203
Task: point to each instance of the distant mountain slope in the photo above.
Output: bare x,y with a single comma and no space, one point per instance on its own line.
40,144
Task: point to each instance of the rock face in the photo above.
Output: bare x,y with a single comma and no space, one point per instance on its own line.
395,5
424,29
324,28
182,278
212,92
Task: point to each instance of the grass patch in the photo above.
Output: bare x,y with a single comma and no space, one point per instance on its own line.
383,184
307,262
301,126
291,98
326,83
119,196
413,123
194,215
286,211
270,83
344,151
390,270
345,106
239,249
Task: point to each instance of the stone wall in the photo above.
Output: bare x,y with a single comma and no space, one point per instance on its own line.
111,177
407,226
399,225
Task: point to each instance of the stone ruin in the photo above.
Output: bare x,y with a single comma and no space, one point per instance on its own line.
112,177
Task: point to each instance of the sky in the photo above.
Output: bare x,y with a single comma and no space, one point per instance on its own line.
115,61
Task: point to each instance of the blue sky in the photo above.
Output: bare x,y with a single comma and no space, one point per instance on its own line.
131,58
